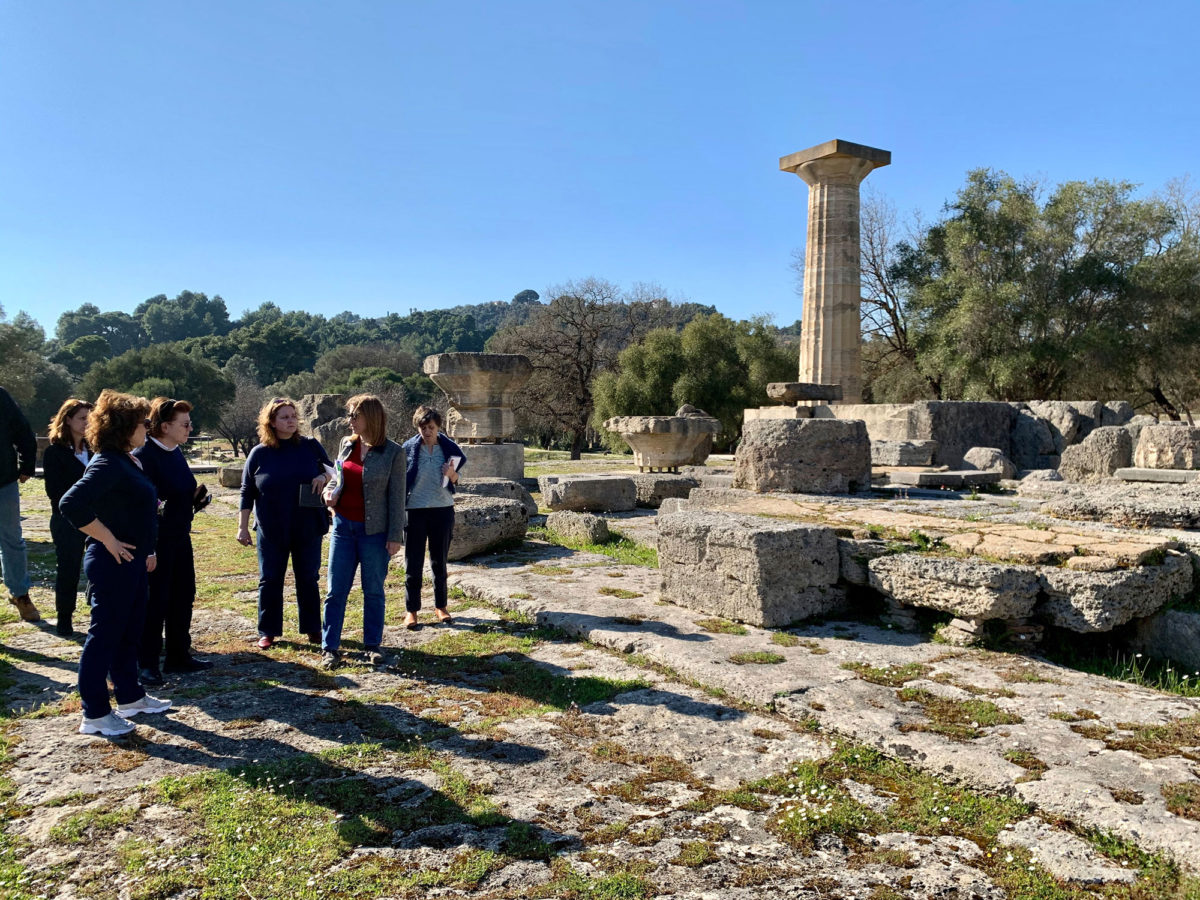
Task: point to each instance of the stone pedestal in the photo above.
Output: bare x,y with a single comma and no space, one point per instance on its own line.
495,461
664,442
830,338
481,388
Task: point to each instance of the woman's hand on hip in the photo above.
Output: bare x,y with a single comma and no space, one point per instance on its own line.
120,551
393,547
243,537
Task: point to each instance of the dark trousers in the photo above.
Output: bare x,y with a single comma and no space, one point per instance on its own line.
117,595
172,594
304,548
68,551
435,526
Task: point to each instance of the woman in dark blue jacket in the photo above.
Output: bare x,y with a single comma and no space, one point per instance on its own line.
173,582
433,462
276,470
115,505
63,463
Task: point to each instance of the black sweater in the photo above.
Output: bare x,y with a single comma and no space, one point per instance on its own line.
62,469
175,483
18,446
114,490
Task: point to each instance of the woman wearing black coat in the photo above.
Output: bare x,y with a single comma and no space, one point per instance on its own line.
63,463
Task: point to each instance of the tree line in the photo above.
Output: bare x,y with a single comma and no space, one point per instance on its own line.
1016,292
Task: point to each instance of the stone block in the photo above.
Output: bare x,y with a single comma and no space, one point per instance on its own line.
1062,419
480,387
665,442
1031,441
672,504
1135,425
902,453
495,461
1115,412
1169,634
853,556
885,421
765,572
316,409
969,588
957,426
588,493
1035,475
989,459
1174,446
1091,416
1160,476
963,478
330,434
482,523
777,412
803,456
800,391
577,526
496,487
230,476
1097,456
1100,601
654,488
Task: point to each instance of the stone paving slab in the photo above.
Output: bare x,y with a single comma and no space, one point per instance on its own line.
810,683
1162,476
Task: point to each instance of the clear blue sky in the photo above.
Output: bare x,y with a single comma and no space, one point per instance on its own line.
384,156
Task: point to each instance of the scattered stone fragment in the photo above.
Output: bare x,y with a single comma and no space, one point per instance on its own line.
481,523
803,456
654,488
1100,601
498,487
588,493
1098,456
989,459
903,453
585,527
968,588
1174,446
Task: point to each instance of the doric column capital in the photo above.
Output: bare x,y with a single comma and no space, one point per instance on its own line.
835,161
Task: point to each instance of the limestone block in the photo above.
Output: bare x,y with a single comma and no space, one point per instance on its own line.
957,426
506,460
1115,412
765,572
481,388
1098,456
230,476
779,412
1100,601
989,459
1175,446
654,488
798,391
803,456
1061,416
944,479
584,493
1091,414
1032,441
664,442
317,409
1169,634
672,504
1161,476
330,434
497,487
1135,425
578,526
853,556
969,588
1035,475
903,453
481,523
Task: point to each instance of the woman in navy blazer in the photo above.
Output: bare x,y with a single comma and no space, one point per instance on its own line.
63,463
115,505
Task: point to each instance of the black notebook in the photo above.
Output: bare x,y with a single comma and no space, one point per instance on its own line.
310,498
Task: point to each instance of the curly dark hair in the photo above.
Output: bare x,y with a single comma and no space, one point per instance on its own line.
114,419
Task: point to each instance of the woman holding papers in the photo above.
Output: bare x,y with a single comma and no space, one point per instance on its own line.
367,498
282,482
433,463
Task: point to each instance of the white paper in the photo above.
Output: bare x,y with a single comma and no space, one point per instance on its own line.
455,461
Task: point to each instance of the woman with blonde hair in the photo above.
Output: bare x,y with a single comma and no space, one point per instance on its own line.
282,483
63,463
116,506
368,524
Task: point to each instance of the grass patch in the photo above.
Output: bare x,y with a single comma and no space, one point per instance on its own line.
621,593
1095,654
784,639
1183,799
618,547
756,657
1150,740
960,720
889,676
91,824
1079,715
721,626
1027,761
695,854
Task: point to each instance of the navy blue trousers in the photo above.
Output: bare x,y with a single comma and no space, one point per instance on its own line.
304,548
117,596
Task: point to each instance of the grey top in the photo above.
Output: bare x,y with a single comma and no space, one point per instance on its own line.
383,488
428,492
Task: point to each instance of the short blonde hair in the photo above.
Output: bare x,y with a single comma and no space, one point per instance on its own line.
425,414
374,430
59,430
115,419
266,420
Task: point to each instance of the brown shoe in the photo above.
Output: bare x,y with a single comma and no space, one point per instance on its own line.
25,607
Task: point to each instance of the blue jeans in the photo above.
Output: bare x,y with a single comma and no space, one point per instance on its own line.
13,561
304,548
117,596
349,548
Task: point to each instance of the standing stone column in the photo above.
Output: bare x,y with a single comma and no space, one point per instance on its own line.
830,337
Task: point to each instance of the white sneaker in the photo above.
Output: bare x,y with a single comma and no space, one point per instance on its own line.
146,704
112,724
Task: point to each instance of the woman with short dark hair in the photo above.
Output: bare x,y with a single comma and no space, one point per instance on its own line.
63,463
115,505
433,462
367,498
281,465
173,582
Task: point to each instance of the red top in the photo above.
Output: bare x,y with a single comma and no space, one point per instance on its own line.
351,504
